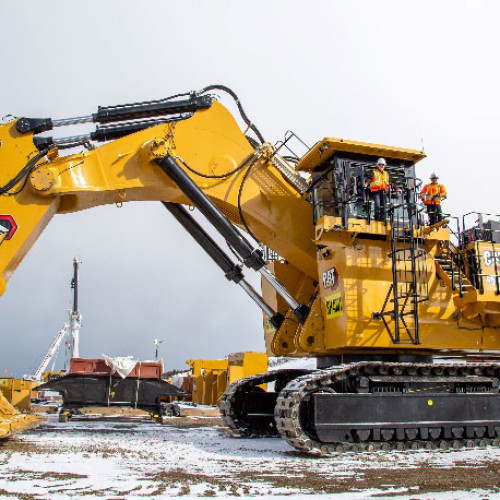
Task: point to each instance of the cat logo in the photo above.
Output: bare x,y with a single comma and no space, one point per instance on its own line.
331,279
333,305
490,257
8,227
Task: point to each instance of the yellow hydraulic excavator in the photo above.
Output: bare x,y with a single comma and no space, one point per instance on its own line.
403,318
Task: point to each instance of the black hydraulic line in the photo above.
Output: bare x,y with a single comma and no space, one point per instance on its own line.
249,160
244,116
251,257
232,271
23,173
240,210
252,142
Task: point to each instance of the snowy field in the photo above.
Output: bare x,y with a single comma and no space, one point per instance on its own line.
194,457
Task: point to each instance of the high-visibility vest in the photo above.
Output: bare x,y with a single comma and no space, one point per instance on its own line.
430,190
380,180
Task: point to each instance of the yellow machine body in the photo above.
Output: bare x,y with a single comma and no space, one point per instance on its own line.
212,144
341,269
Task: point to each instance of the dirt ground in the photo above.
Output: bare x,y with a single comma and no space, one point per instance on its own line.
191,456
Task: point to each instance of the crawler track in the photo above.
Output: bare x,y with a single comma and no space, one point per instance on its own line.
234,405
471,388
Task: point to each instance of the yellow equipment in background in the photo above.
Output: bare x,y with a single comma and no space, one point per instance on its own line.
209,380
11,419
49,375
211,377
18,392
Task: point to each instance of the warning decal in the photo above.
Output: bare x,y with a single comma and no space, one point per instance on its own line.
333,305
8,227
268,326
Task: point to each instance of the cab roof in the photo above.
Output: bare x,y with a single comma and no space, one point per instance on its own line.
323,150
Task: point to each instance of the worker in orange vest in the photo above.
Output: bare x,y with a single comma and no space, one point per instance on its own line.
378,188
431,195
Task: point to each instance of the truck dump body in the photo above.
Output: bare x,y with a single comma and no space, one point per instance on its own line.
100,390
91,383
90,366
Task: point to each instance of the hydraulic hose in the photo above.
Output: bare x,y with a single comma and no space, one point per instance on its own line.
23,173
244,116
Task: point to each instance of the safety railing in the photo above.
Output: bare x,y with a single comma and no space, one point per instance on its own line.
289,137
456,255
409,271
269,254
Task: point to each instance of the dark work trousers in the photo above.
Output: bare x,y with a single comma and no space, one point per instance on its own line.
379,199
435,214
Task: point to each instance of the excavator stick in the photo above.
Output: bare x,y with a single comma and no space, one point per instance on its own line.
12,421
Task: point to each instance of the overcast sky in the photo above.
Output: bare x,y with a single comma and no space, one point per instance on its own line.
390,72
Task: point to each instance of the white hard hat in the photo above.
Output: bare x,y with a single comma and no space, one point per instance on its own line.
434,176
381,161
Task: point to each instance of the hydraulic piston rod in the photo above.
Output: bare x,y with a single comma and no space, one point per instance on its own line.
231,270
119,113
251,257
101,134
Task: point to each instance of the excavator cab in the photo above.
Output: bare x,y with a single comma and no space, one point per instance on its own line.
340,183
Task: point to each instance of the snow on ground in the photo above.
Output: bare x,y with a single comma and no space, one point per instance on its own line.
140,460
279,363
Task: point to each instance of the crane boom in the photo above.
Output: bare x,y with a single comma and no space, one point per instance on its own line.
75,318
54,347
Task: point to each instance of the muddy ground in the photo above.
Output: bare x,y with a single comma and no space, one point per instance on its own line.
195,457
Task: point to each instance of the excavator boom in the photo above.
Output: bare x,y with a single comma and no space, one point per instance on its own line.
127,169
